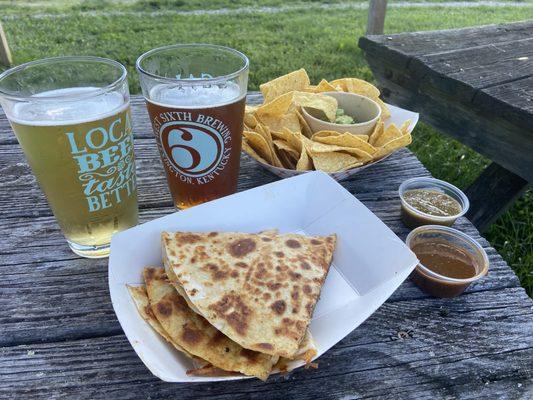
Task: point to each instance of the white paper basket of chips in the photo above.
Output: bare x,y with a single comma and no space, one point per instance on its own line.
283,137
398,115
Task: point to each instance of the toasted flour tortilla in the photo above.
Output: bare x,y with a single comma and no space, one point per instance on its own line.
174,280
194,334
260,290
140,298
306,351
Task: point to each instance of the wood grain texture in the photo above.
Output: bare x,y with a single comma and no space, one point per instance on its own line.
5,53
376,17
439,358
71,294
59,337
474,84
410,44
491,194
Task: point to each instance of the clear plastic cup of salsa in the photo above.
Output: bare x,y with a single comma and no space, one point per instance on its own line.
433,243
413,217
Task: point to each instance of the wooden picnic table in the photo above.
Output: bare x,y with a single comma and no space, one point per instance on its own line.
476,85
59,336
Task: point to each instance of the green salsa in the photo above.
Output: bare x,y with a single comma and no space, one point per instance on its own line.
432,202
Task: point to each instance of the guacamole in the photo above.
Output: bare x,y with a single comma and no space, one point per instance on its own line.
343,119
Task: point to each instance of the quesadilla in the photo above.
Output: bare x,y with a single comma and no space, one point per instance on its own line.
210,371
194,334
260,290
140,298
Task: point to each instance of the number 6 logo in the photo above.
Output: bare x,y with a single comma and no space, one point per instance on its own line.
193,149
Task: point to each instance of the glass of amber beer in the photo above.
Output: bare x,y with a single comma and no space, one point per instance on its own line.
195,95
71,116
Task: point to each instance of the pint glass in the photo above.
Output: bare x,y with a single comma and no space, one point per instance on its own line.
71,117
195,95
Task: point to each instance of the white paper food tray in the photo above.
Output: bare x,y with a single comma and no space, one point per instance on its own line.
369,263
398,117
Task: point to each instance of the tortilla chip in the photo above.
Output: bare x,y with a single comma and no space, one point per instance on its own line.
334,162
325,86
327,104
390,133
317,148
264,131
287,160
251,152
283,145
306,129
310,89
250,109
277,106
250,121
405,127
320,134
304,162
394,144
293,139
385,112
277,123
296,80
340,84
359,86
259,145
378,131
298,142
282,134
347,140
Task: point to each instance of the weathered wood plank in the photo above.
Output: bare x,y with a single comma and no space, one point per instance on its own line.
462,73
439,359
489,131
52,281
49,283
459,73
51,245
492,193
5,53
406,45
16,179
514,98
376,17
141,123
53,296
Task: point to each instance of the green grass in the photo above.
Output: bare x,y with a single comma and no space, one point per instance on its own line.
18,7
324,42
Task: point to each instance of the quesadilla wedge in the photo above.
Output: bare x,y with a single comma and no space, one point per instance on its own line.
305,353
306,350
140,298
260,290
193,333
211,371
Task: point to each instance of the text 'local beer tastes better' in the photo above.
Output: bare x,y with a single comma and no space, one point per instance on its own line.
198,130
81,152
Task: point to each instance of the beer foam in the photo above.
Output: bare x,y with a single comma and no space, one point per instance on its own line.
67,111
201,96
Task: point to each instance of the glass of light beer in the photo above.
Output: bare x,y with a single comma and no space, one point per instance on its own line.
195,95
71,116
